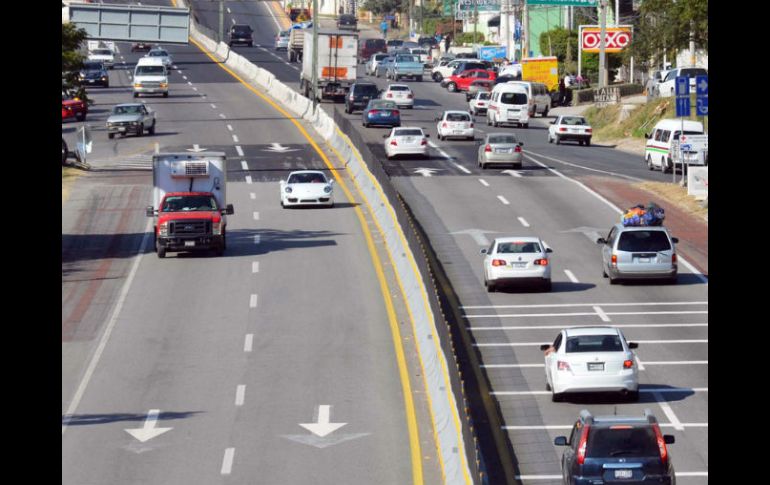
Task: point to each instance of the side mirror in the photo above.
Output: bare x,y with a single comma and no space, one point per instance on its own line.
229,210
521,143
427,135
150,212
385,136
633,345
545,347
548,250
675,239
483,251
560,441
331,182
647,136
669,439
601,240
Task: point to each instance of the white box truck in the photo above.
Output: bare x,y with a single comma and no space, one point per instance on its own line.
189,202
337,62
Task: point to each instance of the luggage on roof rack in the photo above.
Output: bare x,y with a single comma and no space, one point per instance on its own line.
652,215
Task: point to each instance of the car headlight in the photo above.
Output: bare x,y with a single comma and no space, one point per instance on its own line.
109,124
328,189
287,190
216,228
163,229
164,85
134,122
138,85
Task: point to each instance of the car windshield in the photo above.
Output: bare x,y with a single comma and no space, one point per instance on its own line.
419,51
518,247
573,120
152,70
382,104
189,203
501,139
395,42
307,178
126,110
405,59
284,33
594,343
513,98
643,241
457,117
379,57
399,88
371,43
408,132
158,54
92,66
102,52
622,441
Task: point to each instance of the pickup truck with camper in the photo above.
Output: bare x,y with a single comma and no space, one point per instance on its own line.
336,65
406,65
189,202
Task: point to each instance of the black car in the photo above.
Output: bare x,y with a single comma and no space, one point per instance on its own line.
141,47
359,96
241,34
94,74
427,42
347,21
616,449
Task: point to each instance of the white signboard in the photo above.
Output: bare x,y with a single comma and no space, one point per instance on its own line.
698,182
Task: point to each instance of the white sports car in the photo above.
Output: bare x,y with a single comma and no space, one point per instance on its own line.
307,187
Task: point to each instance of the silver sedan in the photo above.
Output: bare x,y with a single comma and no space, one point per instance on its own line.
500,148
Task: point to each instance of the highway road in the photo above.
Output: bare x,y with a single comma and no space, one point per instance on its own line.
230,360
461,208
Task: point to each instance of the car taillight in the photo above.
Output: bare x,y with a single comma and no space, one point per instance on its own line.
673,258
589,130
396,112
444,125
424,142
352,97
614,260
517,149
488,148
374,112
498,262
409,96
628,364
480,103
389,95
661,443
393,142
562,129
541,262
581,450
561,365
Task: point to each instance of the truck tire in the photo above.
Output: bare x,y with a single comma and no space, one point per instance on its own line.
64,152
419,79
165,95
140,131
160,250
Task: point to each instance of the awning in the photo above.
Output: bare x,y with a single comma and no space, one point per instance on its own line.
494,22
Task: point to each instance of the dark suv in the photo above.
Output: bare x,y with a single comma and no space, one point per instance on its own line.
347,21
241,34
616,449
359,96
369,47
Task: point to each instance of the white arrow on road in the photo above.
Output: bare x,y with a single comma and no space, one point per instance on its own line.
322,427
426,172
148,431
277,147
197,148
512,172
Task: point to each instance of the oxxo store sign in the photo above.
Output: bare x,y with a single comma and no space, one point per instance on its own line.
615,40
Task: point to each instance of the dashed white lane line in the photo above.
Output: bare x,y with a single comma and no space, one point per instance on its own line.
640,342
244,165
189,82
228,10
248,179
484,182
514,173
461,167
503,200
249,342
222,116
235,138
194,88
601,314
557,326
233,21
240,394
256,215
213,106
554,305
522,366
253,301
255,266
523,222
184,77
643,391
230,127
227,462
239,150
571,276
252,196
178,71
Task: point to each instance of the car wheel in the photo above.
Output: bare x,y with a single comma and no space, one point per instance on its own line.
80,116
558,140
140,130
160,250
650,166
165,95
106,85
451,87
517,166
668,167
491,288
545,112
550,140
419,79
588,142
557,396
525,125
152,128
580,142
64,152
437,77
366,125
604,274
489,122
110,135
136,95
547,386
613,281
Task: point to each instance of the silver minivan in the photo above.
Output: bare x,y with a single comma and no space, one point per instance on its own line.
638,252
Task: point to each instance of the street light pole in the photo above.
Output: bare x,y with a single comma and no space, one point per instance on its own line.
221,20
314,76
602,47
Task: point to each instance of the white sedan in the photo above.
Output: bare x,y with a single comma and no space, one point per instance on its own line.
457,124
517,260
406,140
162,54
105,56
591,359
307,187
479,103
400,94
572,128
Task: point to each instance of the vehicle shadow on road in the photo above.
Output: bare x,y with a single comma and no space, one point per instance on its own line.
679,394
556,287
242,242
683,279
90,419
89,247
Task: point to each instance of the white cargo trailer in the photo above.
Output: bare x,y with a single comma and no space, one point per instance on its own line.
337,62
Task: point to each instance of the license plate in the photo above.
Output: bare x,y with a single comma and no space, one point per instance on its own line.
122,128
502,150
384,115
513,112
574,130
189,243
596,366
643,260
624,474
519,265
409,139
457,132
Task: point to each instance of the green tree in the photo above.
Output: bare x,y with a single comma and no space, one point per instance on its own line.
666,26
71,58
380,7
557,39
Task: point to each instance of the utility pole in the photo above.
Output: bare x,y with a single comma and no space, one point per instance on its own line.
221,20
506,18
602,46
314,77
525,32
475,21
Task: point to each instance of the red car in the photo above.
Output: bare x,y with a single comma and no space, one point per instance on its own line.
461,81
72,107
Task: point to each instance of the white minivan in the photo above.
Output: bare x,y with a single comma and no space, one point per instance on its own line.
539,99
150,77
508,103
657,150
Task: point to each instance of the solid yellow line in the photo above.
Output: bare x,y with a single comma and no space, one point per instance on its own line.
414,441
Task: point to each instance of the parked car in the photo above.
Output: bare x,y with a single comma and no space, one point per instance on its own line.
660,142
638,252
406,140
105,56
537,94
479,103
381,112
479,86
591,359
382,67
130,118
468,64
423,54
518,259
141,47
282,40
401,94
667,87
94,74
373,62
570,128
347,21
72,106
499,149
455,124
616,449
307,187
461,82
359,95
368,47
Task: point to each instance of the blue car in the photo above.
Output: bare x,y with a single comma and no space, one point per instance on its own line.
381,112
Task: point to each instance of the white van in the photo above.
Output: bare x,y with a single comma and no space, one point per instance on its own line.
657,150
508,103
150,77
539,99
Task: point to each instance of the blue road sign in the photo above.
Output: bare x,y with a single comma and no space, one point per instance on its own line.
682,85
702,105
702,85
683,105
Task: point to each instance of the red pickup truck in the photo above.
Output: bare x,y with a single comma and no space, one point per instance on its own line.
460,82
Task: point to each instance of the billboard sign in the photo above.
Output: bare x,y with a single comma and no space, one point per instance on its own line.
615,40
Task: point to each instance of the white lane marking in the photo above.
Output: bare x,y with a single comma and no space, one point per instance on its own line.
661,303
441,152
228,10
227,462
235,138
644,391
537,344
503,200
244,165
579,314
194,88
107,331
252,196
249,342
248,179
270,11
461,167
257,239
601,314
569,426
233,21
641,364
178,71
574,165
571,276
213,106
253,301
184,77
256,215
230,127
222,116
255,266
686,263
668,362
189,82
523,222
513,172
239,150
484,182
240,394
551,327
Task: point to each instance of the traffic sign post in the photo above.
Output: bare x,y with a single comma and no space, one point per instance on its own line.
702,95
682,110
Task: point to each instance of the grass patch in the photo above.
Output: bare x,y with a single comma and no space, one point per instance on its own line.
68,176
675,195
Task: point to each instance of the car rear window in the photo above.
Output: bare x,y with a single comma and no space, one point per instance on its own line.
457,117
366,89
394,42
241,29
379,57
502,139
419,51
103,52
151,70
399,88
518,247
693,72
381,104
573,120
372,43
621,442
635,241
406,59
408,132
484,95
594,343
513,98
